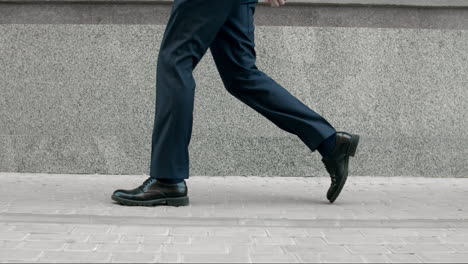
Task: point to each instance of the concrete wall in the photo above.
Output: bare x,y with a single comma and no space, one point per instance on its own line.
77,85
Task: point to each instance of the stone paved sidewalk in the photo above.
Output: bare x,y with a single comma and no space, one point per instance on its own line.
71,218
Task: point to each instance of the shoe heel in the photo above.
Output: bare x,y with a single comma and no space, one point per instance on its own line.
180,201
353,145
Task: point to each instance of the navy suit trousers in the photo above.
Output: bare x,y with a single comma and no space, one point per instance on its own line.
226,27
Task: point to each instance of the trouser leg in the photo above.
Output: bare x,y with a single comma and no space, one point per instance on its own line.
234,54
191,28
274,102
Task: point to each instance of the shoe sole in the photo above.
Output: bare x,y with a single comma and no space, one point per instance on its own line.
179,201
351,152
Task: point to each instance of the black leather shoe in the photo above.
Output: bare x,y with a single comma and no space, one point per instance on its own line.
154,192
337,162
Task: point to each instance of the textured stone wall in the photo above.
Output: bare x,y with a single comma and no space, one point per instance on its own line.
423,3
79,97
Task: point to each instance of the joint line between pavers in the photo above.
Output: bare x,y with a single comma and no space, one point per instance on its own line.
235,222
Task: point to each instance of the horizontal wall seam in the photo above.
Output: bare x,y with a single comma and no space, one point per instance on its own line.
355,3
292,15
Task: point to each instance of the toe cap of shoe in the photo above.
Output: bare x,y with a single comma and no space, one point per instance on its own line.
120,193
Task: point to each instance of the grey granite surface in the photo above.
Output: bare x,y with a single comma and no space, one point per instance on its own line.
80,99
289,15
427,3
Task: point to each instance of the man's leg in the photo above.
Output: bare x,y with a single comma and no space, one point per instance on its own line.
234,54
191,28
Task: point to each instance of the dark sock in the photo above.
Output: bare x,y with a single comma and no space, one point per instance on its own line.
170,181
326,146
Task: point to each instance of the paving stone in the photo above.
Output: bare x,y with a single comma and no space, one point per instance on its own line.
138,230
340,258
367,248
416,248
151,247
276,240
333,232
104,238
181,239
317,248
362,240
19,254
196,248
237,231
227,240
214,258
73,256
239,249
41,245
16,261
403,258
80,246
440,232
458,232
459,247
70,238
374,258
91,229
133,257
42,228
130,210
308,257
309,241
270,258
422,240
439,257
284,231
12,235
314,232
114,247
168,258
9,244
155,239
133,239
388,232
5,227
455,239
189,231
264,249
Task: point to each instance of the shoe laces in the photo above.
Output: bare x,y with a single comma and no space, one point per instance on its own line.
147,182
330,170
